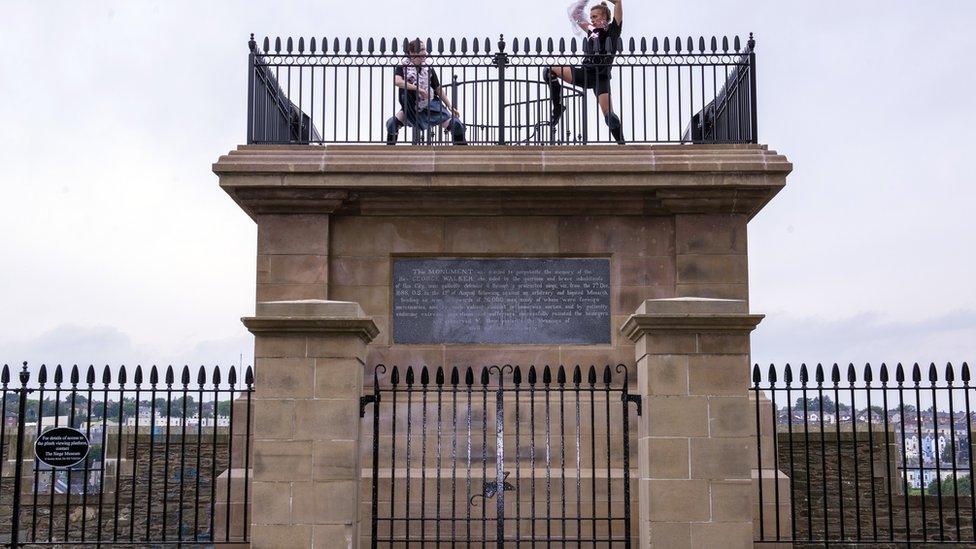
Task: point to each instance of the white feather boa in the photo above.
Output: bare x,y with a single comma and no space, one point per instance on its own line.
577,16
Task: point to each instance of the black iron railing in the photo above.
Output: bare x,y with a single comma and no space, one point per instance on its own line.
157,466
321,91
865,459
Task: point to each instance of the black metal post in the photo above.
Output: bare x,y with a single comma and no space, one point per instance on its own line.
500,458
252,46
19,463
754,115
500,61
625,397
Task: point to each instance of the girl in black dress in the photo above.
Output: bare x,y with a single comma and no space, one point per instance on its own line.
599,48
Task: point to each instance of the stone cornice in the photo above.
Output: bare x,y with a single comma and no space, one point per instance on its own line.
595,180
638,325
365,328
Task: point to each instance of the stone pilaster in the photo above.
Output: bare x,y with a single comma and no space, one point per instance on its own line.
696,436
308,381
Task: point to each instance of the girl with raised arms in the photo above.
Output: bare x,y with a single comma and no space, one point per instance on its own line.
599,47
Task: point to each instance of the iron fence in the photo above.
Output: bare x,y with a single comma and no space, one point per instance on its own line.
663,91
551,449
864,459
159,460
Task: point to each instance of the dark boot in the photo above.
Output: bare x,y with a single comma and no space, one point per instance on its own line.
457,132
392,130
555,96
616,130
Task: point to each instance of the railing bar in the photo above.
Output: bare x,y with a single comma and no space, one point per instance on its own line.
179,515
346,109
840,472
35,468
855,454
152,455
423,465
562,445
904,460
169,410
938,459
468,475
889,485
667,100
393,443
532,456
484,460
311,105
704,115
921,461
196,481
213,463
633,108
439,419
775,447
792,494
101,473
335,106
518,436
759,462
67,496
823,458
86,467
609,454
548,465
454,431
359,106
955,465
135,467
593,456
874,495
301,116
500,461
24,377
625,400
407,477
325,95
579,498
806,444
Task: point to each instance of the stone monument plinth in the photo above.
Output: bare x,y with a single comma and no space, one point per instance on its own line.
568,255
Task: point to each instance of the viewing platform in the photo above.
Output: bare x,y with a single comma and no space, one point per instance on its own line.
341,91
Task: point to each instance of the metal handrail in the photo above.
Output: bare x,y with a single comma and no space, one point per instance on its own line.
663,91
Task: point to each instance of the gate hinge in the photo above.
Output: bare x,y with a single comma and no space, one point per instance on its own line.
364,400
636,399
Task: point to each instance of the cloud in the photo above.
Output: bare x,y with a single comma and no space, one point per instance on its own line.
100,345
866,337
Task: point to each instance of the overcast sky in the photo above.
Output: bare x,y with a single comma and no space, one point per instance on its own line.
116,244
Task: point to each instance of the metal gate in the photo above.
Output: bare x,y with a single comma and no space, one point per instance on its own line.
491,457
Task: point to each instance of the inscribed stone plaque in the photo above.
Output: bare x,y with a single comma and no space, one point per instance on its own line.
517,301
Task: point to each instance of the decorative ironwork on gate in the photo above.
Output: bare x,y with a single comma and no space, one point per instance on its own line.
491,456
166,460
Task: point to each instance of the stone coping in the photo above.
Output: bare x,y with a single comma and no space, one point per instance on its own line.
692,305
336,159
499,181
694,314
365,328
312,315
